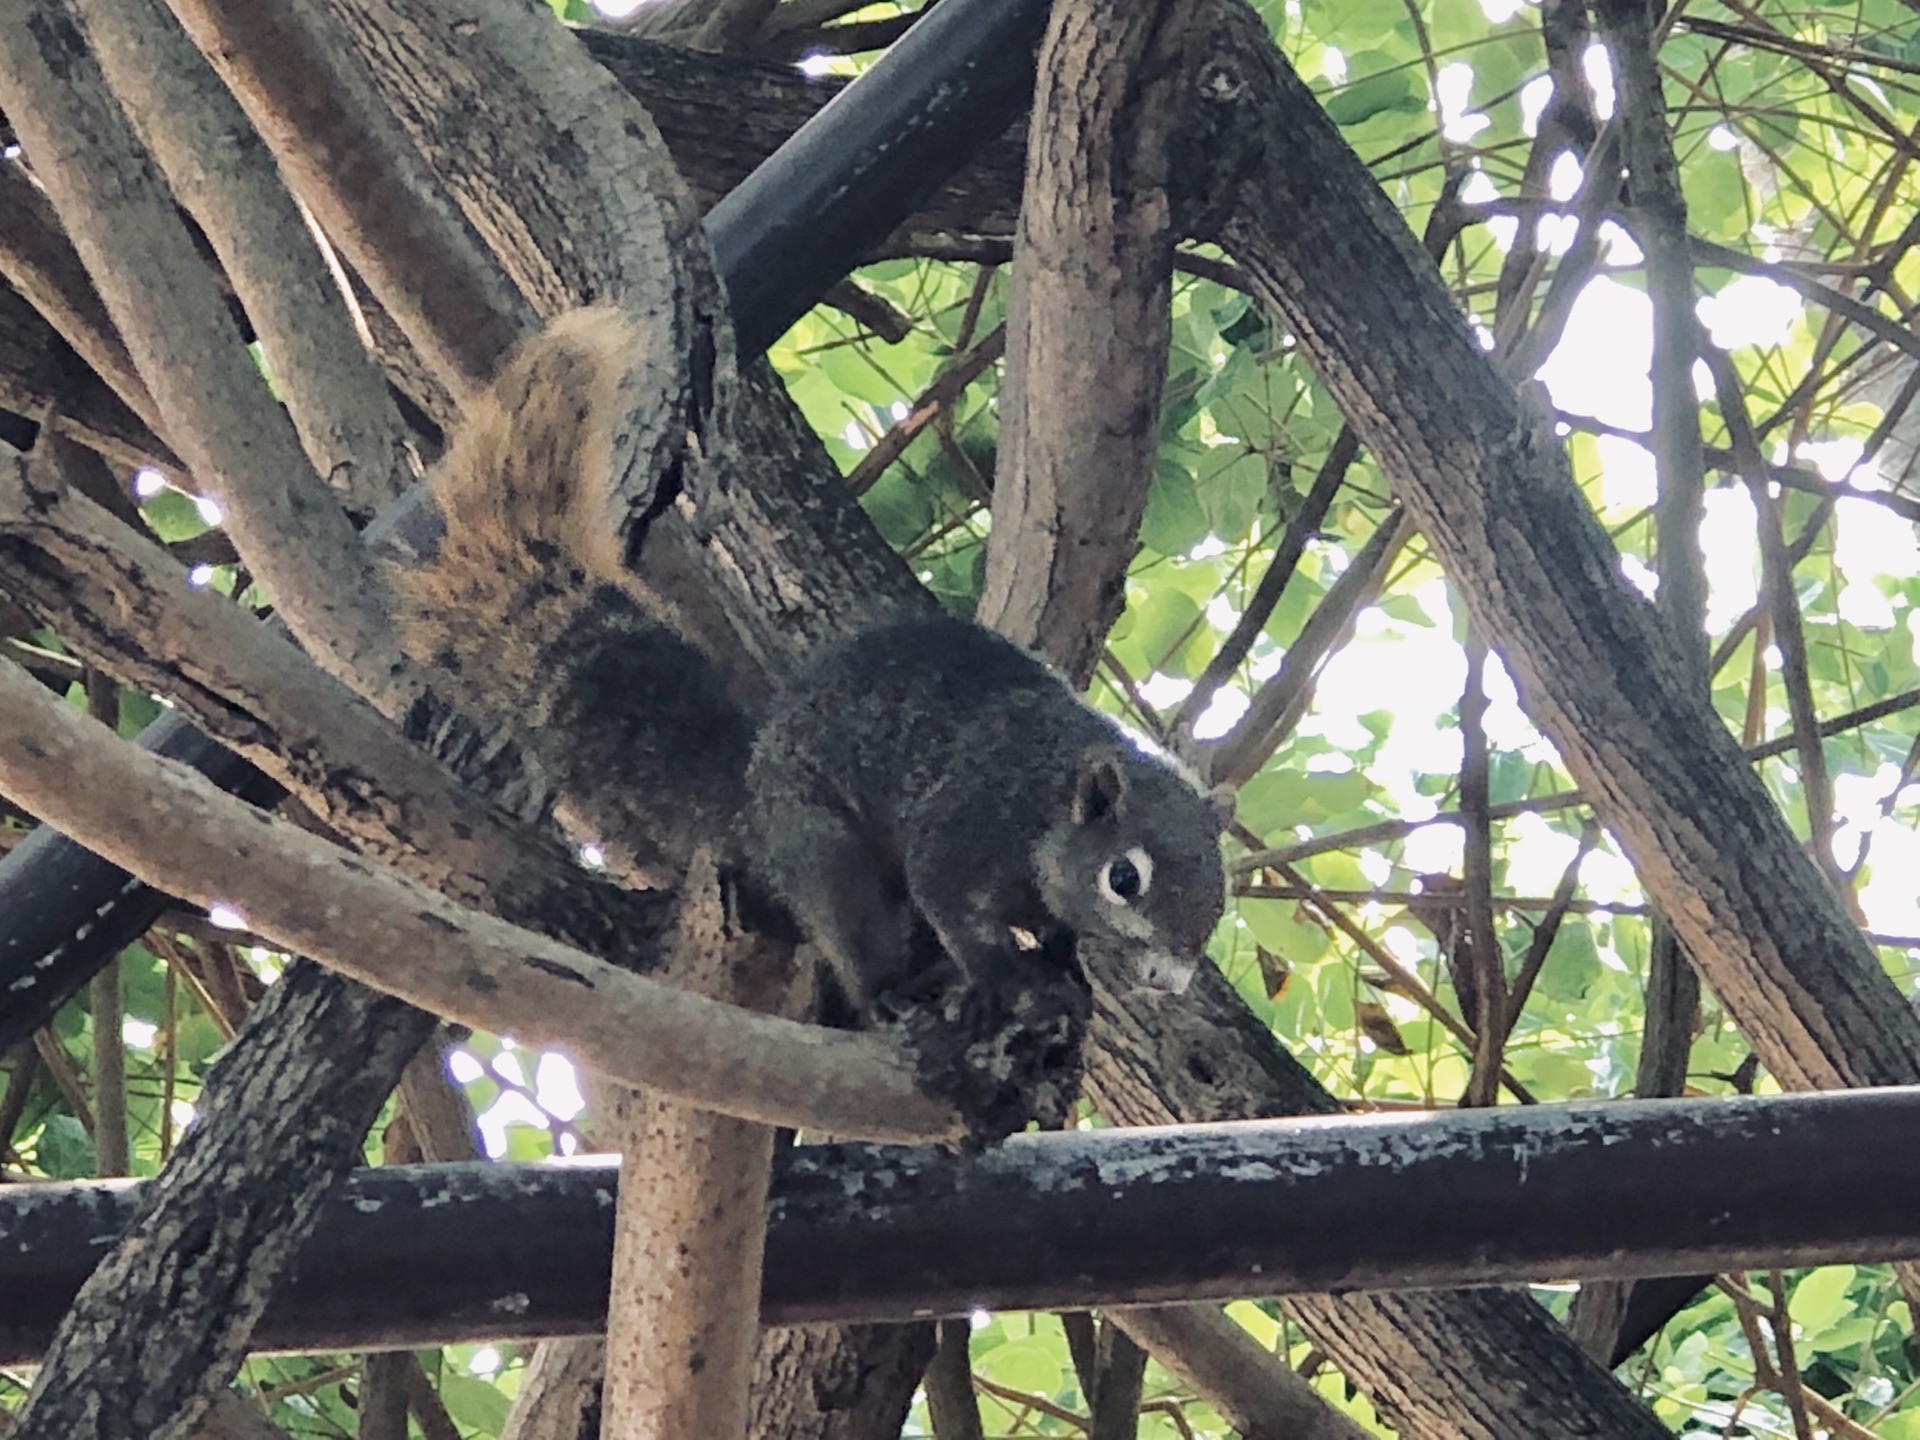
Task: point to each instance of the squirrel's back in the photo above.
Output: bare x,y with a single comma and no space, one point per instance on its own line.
524,614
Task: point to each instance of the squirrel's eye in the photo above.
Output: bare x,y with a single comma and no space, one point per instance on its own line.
1125,878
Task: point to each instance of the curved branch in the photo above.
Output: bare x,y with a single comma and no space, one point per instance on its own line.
122,602
1088,327
174,829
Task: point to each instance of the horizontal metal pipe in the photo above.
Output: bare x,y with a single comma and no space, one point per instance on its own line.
436,1254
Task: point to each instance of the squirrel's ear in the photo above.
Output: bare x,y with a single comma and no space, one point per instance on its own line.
1098,790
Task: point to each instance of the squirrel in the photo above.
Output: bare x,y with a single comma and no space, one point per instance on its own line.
924,770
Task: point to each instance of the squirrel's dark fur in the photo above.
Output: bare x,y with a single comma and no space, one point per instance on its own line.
925,768
929,767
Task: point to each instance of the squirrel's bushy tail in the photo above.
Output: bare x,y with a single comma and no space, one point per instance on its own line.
523,493
524,613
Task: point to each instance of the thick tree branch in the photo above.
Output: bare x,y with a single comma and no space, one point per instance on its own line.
1087,326
175,830
40,374
311,100
690,1228
123,602
1488,485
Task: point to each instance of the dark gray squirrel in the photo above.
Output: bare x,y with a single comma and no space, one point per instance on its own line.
924,770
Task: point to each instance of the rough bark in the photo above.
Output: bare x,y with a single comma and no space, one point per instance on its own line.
40,374
310,98
37,260
221,174
204,1342
117,598
690,1228
838,1382
183,835
1199,1052
168,1284
162,297
1087,326
559,1395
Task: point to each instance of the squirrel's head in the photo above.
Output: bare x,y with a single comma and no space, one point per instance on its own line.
1135,861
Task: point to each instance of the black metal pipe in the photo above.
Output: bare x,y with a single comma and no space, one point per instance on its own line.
809,213
853,172
430,1255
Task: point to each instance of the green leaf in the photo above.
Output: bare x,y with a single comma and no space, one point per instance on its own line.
901,508
1162,619
479,1405
1276,926
64,1150
1388,92
1232,495
1820,1301
1174,522
1573,963
173,516
1031,1365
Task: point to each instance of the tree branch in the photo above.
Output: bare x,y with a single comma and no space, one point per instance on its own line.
222,174
310,98
1255,1390
1088,326
38,261
175,830
1488,485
